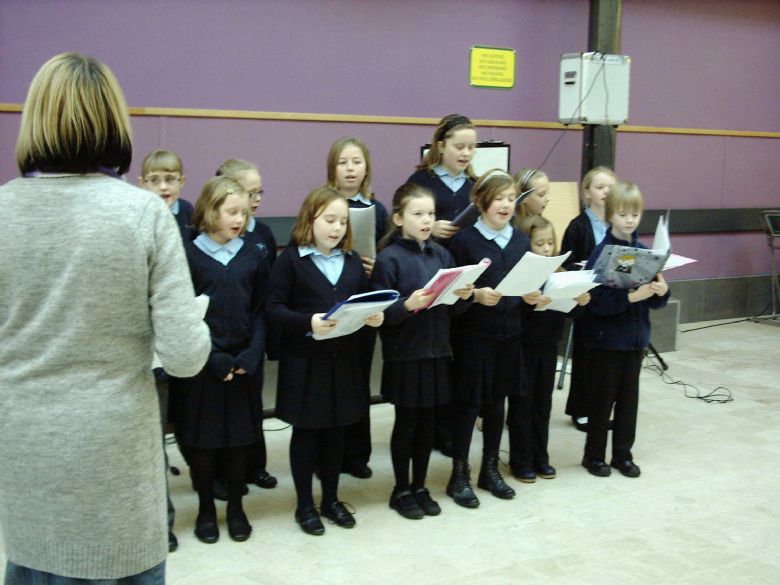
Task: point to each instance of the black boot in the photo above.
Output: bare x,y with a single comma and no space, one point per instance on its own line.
490,478
459,486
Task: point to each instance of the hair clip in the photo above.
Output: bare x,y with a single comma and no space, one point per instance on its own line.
494,173
527,177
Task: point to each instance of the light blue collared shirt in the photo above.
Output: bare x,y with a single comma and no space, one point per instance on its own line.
175,207
501,237
250,226
359,197
454,183
331,266
221,253
599,226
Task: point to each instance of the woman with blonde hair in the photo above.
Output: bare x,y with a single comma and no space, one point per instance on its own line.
88,294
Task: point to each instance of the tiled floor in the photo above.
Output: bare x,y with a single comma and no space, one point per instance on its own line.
705,511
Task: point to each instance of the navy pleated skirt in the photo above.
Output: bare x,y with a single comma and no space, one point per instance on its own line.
417,383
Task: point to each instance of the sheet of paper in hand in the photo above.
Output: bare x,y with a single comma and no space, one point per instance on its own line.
362,220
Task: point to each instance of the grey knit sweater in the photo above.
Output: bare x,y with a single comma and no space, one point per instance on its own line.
92,278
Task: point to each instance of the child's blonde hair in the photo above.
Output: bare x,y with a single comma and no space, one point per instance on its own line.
314,204
74,119
232,166
524,179
333,160
587,180
205,216
448,125
489,186
161,160
623,197
528,225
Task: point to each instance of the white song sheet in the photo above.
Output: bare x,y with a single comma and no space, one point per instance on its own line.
350,315
563,287
529,274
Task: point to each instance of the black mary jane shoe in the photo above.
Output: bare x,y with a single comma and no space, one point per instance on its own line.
406,505
239,527
265,480
525,475
627,468
596,467
336,512
206,529
428,505
309,521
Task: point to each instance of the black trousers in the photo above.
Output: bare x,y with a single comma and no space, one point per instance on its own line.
614,382
528,417
577,401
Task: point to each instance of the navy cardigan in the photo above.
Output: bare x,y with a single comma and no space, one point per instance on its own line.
236,295
448,204
578,238
502,321
610,320
263,239
299,290
406,267
184,221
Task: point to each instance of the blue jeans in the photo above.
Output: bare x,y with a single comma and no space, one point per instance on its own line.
18,575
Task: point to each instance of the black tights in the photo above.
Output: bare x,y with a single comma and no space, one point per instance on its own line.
320,450
463,428
412,440
203,464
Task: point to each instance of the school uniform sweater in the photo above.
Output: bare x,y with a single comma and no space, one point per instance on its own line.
502,321
546,327
263,239
184,220
448,204
610,320
406,267
236,296
84,303
579,240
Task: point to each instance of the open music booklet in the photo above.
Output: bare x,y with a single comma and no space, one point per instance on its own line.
351,313
626,267
447,280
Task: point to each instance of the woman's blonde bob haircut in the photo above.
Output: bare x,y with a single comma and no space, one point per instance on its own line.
624,197
312,207
74,119
205,216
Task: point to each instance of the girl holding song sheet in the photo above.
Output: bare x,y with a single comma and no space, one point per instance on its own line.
320,383
415,344
488,354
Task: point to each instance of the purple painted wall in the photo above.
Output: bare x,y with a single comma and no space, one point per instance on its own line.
693,65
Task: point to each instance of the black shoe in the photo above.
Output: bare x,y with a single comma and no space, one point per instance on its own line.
427,504
627,468
239,527
545,471
206,528
525,475
173,542
221,490
360,470
580,423
336,512
309,521
459,486
406,505
490,478
263,479
596,467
